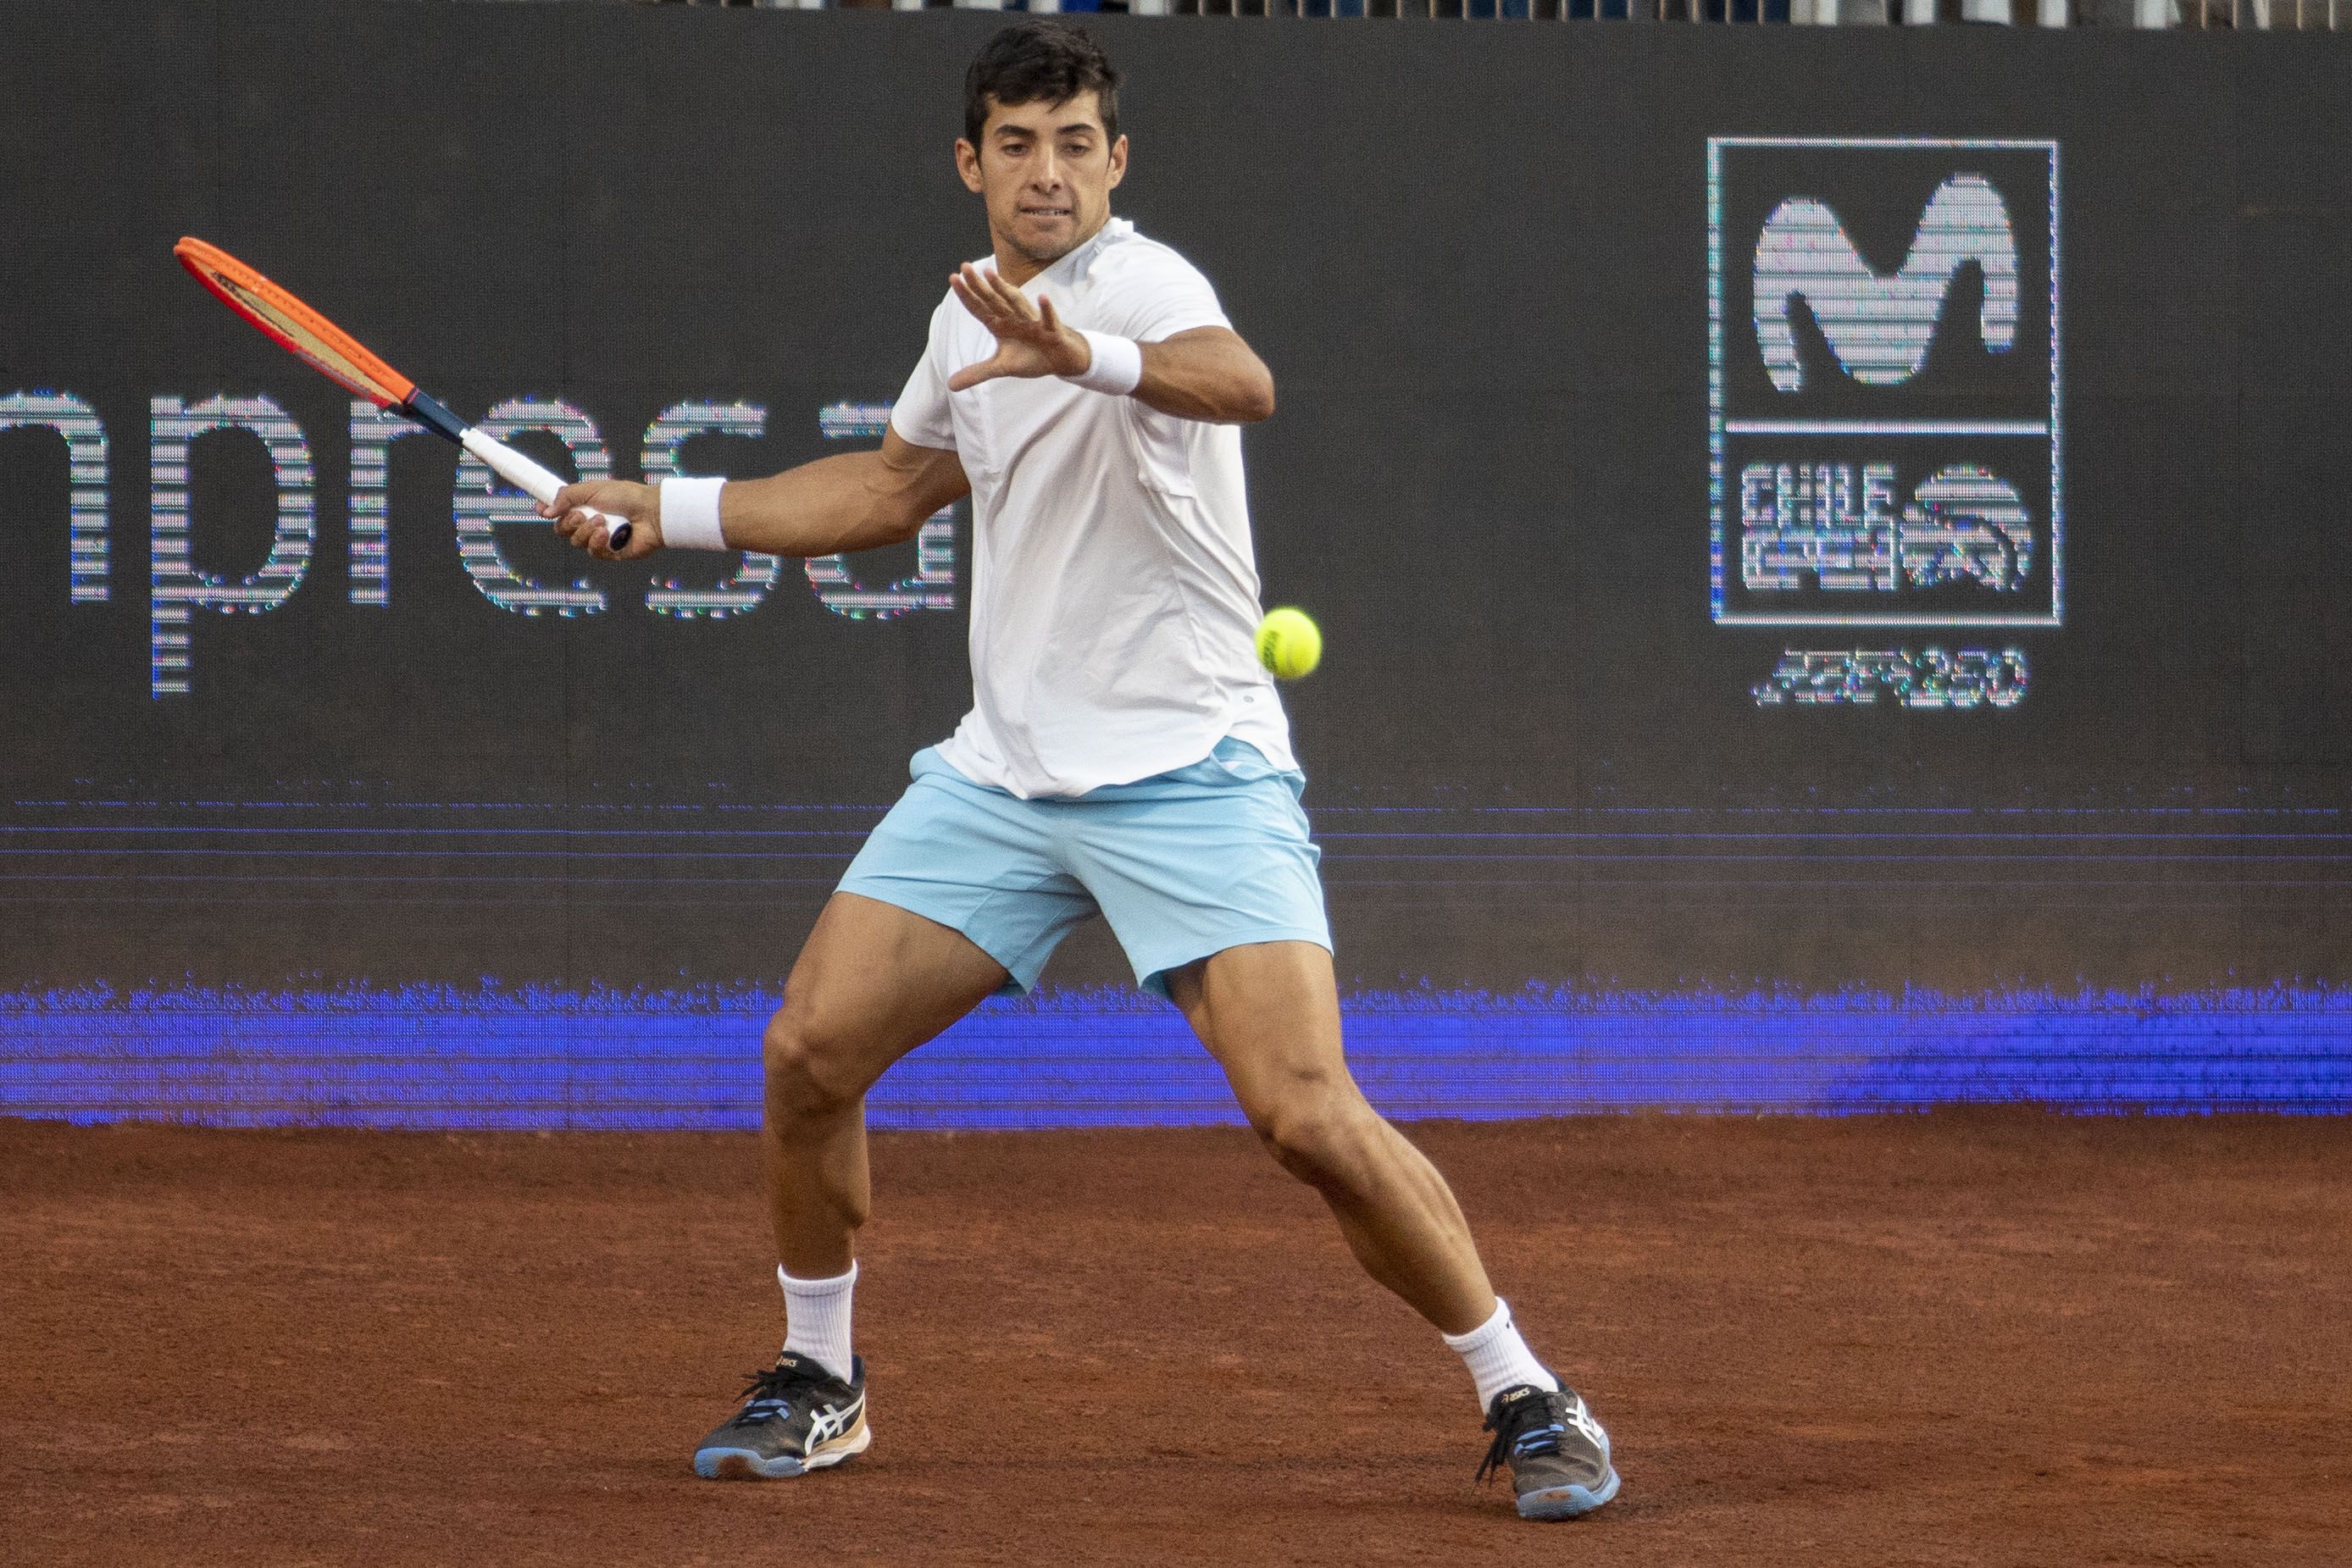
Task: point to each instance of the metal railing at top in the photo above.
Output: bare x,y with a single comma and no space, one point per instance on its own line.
2262,14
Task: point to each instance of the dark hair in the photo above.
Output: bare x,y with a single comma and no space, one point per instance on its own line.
1039,60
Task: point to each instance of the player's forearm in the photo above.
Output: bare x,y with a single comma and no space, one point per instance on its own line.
851,501
1212,376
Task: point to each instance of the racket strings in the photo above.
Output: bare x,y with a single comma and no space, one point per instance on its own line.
310,346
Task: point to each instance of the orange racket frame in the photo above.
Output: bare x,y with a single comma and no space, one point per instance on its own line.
230,279
344,360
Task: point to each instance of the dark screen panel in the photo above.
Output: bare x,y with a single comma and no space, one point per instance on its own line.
1552,742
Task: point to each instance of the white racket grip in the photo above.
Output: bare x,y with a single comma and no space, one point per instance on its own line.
538,483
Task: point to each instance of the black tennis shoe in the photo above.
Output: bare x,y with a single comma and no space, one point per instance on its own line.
796,1417
1558,1454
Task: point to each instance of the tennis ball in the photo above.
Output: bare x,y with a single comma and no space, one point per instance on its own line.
1288,643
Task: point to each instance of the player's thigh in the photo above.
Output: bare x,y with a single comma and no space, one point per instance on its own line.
1269,1013
1198,866
872,983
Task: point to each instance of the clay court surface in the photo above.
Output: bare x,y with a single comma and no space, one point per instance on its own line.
1974,1338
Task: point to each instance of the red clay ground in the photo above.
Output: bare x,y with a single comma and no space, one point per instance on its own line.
1980,1338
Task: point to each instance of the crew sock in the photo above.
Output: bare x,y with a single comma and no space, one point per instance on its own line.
816,1318
1496,1357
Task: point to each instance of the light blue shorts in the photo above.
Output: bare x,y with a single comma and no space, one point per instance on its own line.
1183,864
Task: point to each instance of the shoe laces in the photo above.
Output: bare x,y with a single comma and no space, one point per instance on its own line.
1522,1429
771,1393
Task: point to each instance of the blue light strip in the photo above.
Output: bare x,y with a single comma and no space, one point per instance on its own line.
531,1057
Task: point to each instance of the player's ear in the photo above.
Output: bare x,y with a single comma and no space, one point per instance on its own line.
1117,163
968,164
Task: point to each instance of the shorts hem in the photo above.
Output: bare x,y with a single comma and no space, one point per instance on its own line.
1151,975
1021,977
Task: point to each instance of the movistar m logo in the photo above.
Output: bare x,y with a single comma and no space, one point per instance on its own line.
1879,325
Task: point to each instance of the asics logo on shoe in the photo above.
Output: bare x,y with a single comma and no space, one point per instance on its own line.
1581,1420
831,1422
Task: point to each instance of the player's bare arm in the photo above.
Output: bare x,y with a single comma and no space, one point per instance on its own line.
854,501
1208,373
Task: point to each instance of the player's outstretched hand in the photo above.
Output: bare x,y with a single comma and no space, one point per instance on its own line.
641,504
1030,339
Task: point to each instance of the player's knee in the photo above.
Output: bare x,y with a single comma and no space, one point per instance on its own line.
1324,1140
806,1064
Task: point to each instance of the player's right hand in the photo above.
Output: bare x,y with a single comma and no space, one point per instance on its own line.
641,504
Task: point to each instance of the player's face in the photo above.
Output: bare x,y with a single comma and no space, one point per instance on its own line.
1045,171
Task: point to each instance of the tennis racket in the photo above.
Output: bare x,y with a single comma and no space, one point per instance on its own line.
303,332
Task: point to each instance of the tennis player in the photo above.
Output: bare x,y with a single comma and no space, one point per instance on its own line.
1124,754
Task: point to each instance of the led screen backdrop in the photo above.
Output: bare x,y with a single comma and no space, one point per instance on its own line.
1832,546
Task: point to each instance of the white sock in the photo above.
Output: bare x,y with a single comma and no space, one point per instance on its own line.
816,1318
1498,1358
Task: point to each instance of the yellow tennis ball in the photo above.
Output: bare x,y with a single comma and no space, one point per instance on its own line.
1288,643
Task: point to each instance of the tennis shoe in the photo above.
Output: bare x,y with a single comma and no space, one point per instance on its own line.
796,1416
1557,1453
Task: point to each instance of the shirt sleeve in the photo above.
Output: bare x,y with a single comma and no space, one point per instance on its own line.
1160,294
920,415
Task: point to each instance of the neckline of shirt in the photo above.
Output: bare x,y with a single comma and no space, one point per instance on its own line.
1068,264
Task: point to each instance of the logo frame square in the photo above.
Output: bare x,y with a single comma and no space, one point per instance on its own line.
1719,417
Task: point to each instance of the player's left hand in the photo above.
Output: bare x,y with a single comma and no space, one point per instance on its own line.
1030,339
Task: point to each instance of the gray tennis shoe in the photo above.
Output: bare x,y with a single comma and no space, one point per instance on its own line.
1558,1454
796,1417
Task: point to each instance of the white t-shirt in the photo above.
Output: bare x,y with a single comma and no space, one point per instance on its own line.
1114,593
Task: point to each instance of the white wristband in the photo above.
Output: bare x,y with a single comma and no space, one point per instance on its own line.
1117,368
689,513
